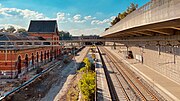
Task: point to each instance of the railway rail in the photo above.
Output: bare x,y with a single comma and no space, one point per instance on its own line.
130,86
30,81
112,91
125,93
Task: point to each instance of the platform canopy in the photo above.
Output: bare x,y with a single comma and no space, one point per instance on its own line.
157,17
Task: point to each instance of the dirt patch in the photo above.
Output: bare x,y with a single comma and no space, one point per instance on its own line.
73,91
37,89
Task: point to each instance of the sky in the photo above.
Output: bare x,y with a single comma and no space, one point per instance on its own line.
87,17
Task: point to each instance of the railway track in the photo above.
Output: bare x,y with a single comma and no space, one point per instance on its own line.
112,91
130,87
54,65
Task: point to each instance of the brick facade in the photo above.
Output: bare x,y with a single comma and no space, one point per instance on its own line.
14,62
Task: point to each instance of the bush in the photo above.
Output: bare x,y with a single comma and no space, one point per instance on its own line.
87,85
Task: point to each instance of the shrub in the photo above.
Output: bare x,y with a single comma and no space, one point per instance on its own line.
87,85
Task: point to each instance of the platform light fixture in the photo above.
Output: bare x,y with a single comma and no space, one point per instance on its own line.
158,44
159,49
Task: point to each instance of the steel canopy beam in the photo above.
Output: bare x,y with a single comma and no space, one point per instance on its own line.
162,31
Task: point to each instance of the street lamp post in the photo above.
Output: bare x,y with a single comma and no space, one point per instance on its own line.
174,52
11,65
74,58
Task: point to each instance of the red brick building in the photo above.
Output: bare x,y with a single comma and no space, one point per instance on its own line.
17,60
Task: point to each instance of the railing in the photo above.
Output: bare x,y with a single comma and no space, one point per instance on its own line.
23,44
31,80
152,12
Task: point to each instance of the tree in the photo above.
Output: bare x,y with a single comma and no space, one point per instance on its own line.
3,30
132,8
82,36
20,30
11,29
121,16
116,20
106,29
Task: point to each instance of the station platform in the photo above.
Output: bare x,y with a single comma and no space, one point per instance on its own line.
169,89
103,93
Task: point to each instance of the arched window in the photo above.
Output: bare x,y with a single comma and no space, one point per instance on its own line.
41,56
37,57
19,64
26,60
32,57
45,55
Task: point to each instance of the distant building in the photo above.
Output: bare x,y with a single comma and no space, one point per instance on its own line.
18,60
90,37
85,37
47,29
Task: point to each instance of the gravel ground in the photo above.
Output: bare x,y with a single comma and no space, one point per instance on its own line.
63,77
62,93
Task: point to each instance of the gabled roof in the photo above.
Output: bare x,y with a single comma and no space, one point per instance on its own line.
43,26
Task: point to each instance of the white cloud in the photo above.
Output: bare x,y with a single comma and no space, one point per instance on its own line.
75,24
77,18
113,17
105,21
7,26
20,13
60,16
89,18
98,22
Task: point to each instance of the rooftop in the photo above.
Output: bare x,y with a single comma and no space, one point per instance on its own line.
43,26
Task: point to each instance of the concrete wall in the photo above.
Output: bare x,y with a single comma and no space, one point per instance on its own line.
163,62
153,12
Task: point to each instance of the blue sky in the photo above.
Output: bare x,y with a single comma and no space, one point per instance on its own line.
76,16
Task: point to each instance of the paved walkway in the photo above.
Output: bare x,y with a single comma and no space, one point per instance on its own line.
79,58
103,93
166,87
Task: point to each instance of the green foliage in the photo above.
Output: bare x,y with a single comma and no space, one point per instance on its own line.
106,29
87,63
83,69
64,35
3,30
87,85
11,29
20,30
121,16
